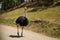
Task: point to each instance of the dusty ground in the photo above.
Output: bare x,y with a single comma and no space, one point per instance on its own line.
7,31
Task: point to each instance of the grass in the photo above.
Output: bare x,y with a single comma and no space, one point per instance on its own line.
49,23
46,28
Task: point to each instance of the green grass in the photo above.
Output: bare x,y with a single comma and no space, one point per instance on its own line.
50,18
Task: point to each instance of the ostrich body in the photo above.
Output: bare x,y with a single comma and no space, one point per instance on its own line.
22,21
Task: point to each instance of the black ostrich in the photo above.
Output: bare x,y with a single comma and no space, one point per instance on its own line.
22,21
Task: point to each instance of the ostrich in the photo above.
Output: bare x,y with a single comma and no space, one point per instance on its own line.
22,21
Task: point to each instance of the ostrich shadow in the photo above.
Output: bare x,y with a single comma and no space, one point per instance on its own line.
15,36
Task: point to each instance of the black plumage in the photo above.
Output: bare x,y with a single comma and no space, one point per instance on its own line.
22,21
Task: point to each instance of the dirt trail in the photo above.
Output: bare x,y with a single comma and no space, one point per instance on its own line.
7,31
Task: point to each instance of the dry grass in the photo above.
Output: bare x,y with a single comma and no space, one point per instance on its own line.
50,18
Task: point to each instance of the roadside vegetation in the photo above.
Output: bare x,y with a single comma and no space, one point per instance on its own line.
45,21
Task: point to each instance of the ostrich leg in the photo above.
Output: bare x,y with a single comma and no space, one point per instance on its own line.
17,30
22,32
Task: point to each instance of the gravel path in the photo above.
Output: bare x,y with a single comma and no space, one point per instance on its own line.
9,33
